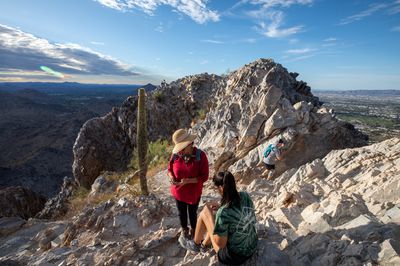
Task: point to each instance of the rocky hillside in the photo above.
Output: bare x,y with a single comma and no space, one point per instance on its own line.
331,203
256,103
106,143
343,209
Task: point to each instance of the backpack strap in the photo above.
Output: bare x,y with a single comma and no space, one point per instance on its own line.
198,155
268,150
174,157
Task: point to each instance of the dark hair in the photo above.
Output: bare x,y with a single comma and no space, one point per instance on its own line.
280,141
230,195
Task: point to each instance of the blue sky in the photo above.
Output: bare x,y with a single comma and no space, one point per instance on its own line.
333,44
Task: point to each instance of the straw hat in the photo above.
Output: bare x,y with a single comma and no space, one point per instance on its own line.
182,139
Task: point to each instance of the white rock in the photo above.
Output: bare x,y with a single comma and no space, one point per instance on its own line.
122,202
390,253
169,222
125,224
290,216
357,222
392,215
345,237
318,222
57,241
284,243
309,210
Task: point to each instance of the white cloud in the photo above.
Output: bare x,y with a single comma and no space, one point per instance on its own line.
97,43
395,8
248,40
330,39
195,9
271,18
283,3
397,29
23,51
274,29
302,57
293,55
388,8
115,4
373,8
160,27
204,62
300,51
213,41
329,42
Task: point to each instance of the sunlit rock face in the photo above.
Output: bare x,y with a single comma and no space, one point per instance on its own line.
260,103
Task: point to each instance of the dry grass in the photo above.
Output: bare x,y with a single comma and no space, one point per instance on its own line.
158,155
156,169
81,200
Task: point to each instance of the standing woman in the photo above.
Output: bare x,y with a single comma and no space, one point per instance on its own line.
187,171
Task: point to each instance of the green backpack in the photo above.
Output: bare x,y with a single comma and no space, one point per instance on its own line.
268,150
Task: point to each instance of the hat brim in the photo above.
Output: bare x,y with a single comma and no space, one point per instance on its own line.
181,145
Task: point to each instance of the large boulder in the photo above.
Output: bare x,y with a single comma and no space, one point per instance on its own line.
260,103
21,202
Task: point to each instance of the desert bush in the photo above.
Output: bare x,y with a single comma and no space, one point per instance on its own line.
159,96
201,114
158,156
80,199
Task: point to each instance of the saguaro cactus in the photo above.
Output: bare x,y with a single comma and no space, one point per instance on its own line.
141,140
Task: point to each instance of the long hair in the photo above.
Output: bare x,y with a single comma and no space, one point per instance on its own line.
230,194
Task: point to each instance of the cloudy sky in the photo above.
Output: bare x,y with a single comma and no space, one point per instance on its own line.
333,44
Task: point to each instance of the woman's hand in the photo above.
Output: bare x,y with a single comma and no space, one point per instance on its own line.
190,180
174,182
212,205
183,181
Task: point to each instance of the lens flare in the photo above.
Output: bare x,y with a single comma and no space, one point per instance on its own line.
50,71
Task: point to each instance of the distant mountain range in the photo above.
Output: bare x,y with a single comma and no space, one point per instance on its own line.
72,87
39,123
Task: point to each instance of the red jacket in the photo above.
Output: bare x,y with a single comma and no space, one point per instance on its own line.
189,193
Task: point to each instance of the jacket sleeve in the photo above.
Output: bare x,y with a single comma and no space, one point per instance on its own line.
204,170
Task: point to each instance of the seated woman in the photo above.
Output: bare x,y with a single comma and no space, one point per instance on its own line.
231,231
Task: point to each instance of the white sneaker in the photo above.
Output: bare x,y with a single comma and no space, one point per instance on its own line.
183,238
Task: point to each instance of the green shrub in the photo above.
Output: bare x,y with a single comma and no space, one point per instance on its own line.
201,114
158,155
81,192
159,96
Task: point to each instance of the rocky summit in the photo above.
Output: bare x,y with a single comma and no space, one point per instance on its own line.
256,104
334,201
260,103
